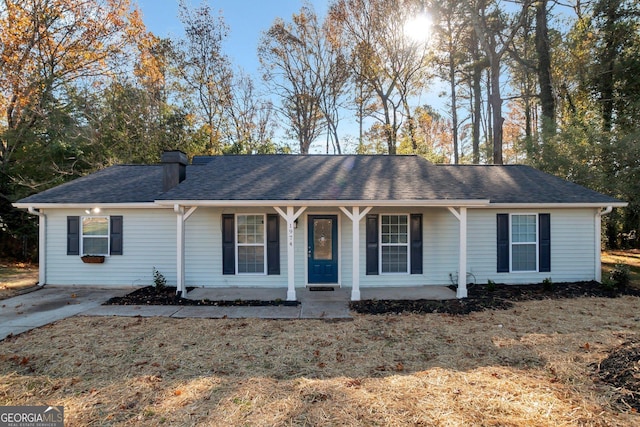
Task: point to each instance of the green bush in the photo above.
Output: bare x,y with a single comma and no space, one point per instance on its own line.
547,284
159,281
491,285
620,276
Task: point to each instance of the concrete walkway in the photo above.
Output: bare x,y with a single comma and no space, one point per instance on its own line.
51,303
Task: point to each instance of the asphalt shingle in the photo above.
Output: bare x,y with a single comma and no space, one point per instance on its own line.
320,177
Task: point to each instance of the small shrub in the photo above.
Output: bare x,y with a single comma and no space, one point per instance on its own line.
547,284
491,285
620,276
159,281
607,284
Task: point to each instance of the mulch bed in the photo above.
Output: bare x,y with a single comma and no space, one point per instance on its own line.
149,295
480,298
621,369
498,297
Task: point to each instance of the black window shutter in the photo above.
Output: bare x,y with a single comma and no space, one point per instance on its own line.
503,243
116,235
372,244
416,243
544,245
73,235
228,244
273,244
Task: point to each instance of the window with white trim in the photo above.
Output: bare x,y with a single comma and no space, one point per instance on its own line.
250,246
394,243
524,242
95,235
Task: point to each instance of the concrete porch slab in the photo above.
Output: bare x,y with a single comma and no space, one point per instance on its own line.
234,294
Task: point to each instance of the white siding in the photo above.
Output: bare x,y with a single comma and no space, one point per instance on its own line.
439,250
572,246
203,251
149,241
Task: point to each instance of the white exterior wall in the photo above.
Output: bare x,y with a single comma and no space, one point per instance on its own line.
149,241
440,231
203,251
573,251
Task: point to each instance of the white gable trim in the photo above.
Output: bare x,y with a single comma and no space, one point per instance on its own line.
136,205
326,203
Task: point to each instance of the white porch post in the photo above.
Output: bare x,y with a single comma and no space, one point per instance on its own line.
462,260
290,217
179,210
181,217
355,218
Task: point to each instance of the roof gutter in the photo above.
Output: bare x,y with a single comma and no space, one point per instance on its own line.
609,205
334,203
132,205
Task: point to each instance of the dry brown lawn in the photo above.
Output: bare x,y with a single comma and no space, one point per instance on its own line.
531,365
16,277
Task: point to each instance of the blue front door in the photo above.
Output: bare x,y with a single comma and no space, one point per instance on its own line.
323,249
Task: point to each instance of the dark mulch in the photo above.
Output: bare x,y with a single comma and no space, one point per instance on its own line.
151,296
498,297
480,297
621,369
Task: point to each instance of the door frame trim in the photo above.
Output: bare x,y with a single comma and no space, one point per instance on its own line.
338,215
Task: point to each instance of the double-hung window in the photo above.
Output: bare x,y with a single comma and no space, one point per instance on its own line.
251,254
95,235
394,243
524,242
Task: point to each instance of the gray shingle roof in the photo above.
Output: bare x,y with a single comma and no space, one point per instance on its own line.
319,177
115,184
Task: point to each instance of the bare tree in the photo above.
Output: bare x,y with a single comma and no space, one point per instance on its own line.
307,71
388,62
205,70
495,30
251,120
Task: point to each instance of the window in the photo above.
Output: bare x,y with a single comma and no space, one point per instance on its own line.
251,244
394,244
524,242
95,235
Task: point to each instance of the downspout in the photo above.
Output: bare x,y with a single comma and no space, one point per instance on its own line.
598,242
42,242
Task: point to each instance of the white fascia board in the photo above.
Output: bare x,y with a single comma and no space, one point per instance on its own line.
139,205
332,203
554,205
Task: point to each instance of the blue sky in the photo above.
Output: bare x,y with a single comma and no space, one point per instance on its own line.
247,19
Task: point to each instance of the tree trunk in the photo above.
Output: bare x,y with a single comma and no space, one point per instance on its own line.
547,101
496,107
454,107
477,101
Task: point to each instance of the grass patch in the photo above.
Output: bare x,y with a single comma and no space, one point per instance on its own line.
534,364
15,277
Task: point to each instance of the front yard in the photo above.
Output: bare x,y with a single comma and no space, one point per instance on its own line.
535,364
538,363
